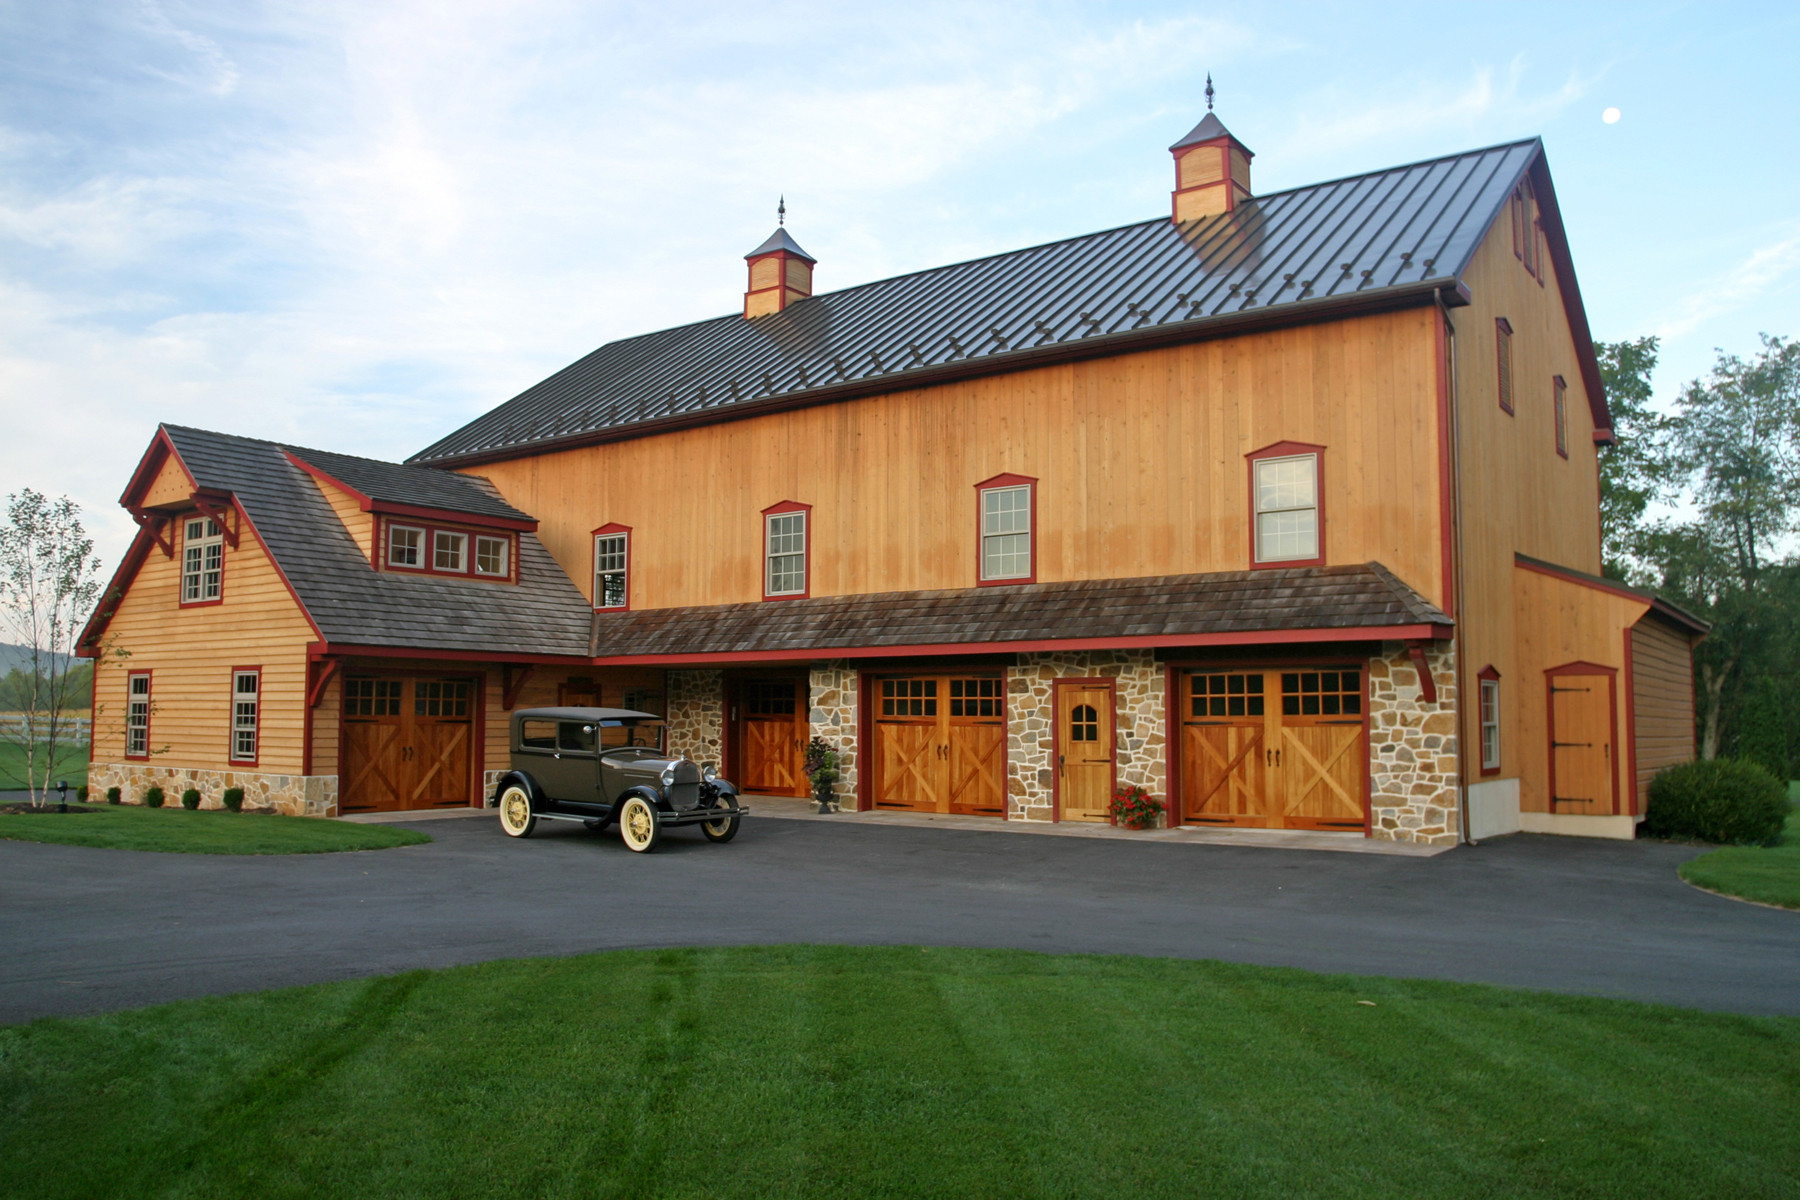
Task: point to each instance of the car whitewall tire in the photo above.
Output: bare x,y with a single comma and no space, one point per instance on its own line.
639,825
721,830
516,817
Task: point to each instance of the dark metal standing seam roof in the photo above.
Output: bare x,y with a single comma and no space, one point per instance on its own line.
354,604
1393,233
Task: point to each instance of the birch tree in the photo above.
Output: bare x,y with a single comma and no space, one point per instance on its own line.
49,582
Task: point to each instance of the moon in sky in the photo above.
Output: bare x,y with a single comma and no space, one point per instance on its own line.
1611,116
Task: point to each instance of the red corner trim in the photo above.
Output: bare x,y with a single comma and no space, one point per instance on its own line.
1427,684
1630,755
1283,450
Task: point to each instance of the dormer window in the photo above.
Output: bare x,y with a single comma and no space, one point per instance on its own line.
202,561
406,546
492,556
449,552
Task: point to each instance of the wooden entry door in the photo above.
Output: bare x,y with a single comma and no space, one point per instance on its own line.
772,737
1274,749
940,744
1084,750
1581,744
407,743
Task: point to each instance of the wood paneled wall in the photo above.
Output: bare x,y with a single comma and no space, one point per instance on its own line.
1518,494
191,652
1662,681
359,524
171,486
1140,462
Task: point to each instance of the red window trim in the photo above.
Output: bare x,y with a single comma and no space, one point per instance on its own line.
787,506
426,551
181,562
512,546
1006,480
594,565
1487,674
149,712
1503,362
1559,407
231,720
1286,450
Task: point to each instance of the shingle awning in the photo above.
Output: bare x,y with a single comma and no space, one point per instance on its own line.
1294,604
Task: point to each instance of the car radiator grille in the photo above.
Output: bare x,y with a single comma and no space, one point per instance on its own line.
684,795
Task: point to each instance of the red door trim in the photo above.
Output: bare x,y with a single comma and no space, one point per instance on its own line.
1580,667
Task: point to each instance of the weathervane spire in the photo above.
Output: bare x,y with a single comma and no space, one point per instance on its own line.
781,211
1209,91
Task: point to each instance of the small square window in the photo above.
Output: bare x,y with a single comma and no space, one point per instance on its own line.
406,546
449,551
492,555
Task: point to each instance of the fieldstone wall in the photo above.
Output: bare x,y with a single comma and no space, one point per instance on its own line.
291,795
1412,750
1031,719
697,715
832,716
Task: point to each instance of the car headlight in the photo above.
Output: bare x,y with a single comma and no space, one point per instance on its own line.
709,773
668,777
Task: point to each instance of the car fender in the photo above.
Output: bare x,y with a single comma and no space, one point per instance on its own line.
532,791
647,792
726,788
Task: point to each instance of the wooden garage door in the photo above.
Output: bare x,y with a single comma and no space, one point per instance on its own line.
1274,749
940,744
408,743
772,736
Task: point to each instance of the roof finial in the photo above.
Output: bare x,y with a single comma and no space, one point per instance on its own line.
781,211
1209,91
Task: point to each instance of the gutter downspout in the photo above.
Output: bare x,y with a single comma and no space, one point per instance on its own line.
1456,570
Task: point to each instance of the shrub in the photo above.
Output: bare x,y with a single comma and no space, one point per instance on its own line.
1718,800
190,799
1135,808
233,798
113,795
81,793
153,798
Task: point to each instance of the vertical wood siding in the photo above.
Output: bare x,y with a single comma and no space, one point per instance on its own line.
1140,462
1662,682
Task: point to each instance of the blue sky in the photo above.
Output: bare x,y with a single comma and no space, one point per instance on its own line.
356,226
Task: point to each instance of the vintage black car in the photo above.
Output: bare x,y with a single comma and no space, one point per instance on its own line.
601,765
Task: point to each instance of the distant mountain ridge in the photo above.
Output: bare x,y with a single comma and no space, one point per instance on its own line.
17,658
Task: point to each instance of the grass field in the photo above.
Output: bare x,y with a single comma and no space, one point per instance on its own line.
72,761
213,831
899,1072
1767,874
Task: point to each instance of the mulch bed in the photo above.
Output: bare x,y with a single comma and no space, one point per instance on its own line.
23,810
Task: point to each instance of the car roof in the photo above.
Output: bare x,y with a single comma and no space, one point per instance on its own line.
585,714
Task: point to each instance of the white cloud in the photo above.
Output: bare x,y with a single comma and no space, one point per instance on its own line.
209,67
1756,274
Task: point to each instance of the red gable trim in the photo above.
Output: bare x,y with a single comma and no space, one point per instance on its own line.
1556,239
1366,633
1658,605
159,451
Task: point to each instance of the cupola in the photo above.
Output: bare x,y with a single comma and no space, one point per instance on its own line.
1212,168
780,271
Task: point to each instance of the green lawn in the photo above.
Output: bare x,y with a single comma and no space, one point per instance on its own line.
73,761
899,1072
1768,874
213,831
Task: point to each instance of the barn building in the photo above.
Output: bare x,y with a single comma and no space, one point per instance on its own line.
1283,507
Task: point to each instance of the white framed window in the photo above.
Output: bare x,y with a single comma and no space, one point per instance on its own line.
785,553
1287,508
1006,532
202,561
449,551
492,555
406,546
612,560
246,696
1490,724
137,716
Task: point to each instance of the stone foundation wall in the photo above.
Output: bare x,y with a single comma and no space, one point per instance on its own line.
832,716
697,715
1412,747
1031,721
292,795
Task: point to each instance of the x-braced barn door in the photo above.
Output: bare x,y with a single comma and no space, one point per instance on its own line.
408,743
940,744
1274,749
772,736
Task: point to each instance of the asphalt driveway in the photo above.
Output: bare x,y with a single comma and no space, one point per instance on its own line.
85,930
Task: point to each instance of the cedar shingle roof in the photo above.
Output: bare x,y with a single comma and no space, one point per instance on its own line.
400,484
349,600
1163,606
1384,238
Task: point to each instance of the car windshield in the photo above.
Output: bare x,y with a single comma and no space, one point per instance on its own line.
642,733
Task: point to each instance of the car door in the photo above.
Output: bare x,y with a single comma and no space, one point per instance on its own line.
574,768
